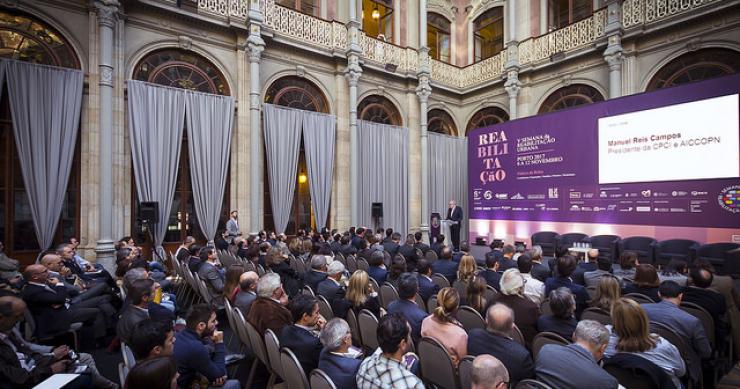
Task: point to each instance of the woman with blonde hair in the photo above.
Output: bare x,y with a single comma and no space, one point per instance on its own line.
444,327
607,291
631,334
361,295
467,268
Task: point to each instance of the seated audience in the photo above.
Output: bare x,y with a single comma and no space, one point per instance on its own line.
444,327
576,365
438,244
338,360
159,373
377,268
631,334
476,294
495,340
427,287
139,295
317,273
525,311
409,251
464,250
194,262
199,350
646,282
626,269
268,309
361,295
24,364
495,253
387,368
563,319
603,269
419,243
445,266
247,291
346,247
540,269
408,286
164,310
231,283
183,252
398,267
467,268
278,263
724,285
488,373
303,336
676,270
588,265
534,289
700,293
491,274
507,262
565,266
607,292
331,287
152,339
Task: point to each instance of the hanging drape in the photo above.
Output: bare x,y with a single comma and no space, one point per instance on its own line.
319,133
45,104
156,116
383,158
209,122
448,176
282,142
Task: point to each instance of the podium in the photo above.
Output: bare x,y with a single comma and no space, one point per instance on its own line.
446,224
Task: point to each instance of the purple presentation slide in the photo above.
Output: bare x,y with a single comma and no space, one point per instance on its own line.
664,158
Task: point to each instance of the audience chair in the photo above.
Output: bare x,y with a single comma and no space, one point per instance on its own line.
431,256
230,318
684,249
567,240
339,257
718,254
260,270
642,245
470,318
387,260
30,329
249,266
122,373
465,371
431,304
320,380
325,308
461,287
516,335
639,297
440,280
241,330
597,314
591,290
420,302
388,294
351,264
547,240
295,377
272,346
374,283
631,378
129,360
544,338
307,291
260,351
368,324
606,244
354,327
673,338
704,317
545,307
436,364
530,383
491,294
362,264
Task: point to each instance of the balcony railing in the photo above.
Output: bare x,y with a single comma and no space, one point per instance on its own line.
478,73
233,8
637,12
384,53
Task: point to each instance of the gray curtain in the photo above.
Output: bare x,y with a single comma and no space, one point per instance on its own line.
45,104
319,134
210,119
156,116
282,142
448,176
383,158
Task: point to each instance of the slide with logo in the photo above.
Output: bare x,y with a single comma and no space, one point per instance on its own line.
669,157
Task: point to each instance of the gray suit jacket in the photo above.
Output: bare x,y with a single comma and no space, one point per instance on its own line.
243,301
212,278
232,230
130,316
571,366
592,278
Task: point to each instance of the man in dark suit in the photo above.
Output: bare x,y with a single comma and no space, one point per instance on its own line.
576,366
494,340
491,274
364,251
566,265
139,295
358,237
419,244
455,214
247,291
408,250
699,294
438,245
588,265
445,266
540,269
688,327
393,244
408,286
346,248
303,336
377,269
209,273
427,287
330,287
337,359
464,250
507,261
317,273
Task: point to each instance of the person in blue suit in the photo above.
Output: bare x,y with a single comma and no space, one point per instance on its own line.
445,266
408,286
427,287
338,358
302,338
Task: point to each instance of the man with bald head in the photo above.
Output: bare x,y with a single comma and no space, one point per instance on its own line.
247,291
489,373
496,341
26,364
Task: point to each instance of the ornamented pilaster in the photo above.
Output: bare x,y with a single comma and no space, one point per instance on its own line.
512,86
255,47
108,13
423,91
353,73
613,53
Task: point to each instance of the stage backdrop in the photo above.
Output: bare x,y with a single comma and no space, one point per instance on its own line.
664,158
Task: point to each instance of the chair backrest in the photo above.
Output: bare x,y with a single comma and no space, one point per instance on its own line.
351,263
546,240
516,335
544,338
374,283
440,280
229,313
591,290
294,376
362,264
320,380
530,383
639,297
272,345
431,256
129,360
420,302
122,373
461,287
325,308
368,324
465,371
629,378
307,290
436,365
668,334
387,260
567,240
354,327
597,314
240,327
258,343
470,318
491,294
704,317
545,307
388,294
643,246
431,304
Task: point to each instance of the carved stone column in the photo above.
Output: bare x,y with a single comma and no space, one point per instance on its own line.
423,91
353,73
512,87
107,19
614,50
255,47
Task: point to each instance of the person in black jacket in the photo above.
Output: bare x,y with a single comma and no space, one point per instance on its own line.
303,336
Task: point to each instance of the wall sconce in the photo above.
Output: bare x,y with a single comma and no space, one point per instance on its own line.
302,178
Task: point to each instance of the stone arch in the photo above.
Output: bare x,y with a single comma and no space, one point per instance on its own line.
180,68
694,66
441,7
441,121
572,95
312,83
486,116
379,109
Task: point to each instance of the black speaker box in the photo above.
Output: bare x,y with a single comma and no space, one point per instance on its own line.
377,210
149,211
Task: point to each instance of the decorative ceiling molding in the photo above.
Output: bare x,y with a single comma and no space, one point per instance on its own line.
442,7
480,6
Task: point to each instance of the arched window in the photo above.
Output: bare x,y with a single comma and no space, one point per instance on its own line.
438,120
696,66
377,18
488,33
487,117
298,93
311,7
379,109
565,12
24,37
438,37
570,96
183,69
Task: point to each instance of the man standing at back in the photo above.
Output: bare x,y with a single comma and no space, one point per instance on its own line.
232,227
455,214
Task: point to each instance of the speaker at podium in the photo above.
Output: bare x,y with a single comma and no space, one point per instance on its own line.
376,211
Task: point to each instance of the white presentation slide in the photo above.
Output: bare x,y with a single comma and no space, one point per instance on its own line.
689,141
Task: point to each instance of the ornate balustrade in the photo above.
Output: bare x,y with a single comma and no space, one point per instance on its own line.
306,28
382,53
636,12
573,36
233,8
476,74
